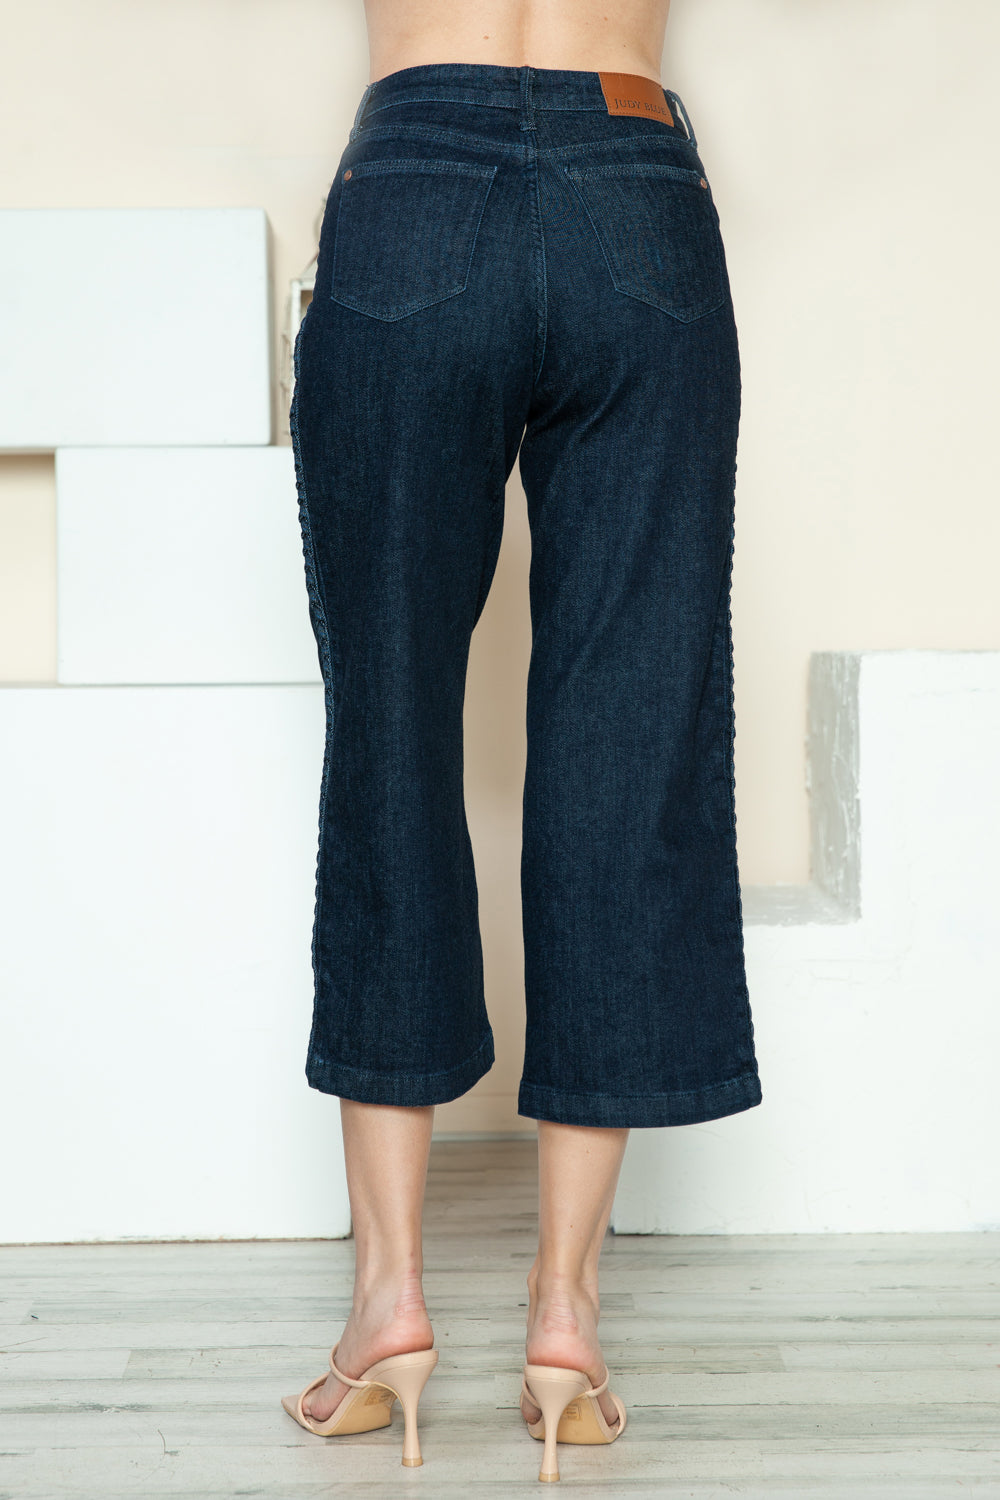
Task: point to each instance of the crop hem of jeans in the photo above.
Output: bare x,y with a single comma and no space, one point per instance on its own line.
681,1107
411,1090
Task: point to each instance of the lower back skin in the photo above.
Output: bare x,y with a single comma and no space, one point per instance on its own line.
618,36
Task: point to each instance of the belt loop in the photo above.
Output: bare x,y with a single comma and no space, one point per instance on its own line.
684,116
369,88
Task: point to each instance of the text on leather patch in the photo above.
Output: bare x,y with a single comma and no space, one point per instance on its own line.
632,94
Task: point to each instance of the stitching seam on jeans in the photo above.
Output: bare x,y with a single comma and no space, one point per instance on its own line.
505,148
542,277
731,761
708,1088
323,634
483,1047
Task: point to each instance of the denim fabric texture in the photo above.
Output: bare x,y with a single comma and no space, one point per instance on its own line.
510,272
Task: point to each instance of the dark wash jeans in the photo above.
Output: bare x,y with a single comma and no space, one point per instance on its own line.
508,270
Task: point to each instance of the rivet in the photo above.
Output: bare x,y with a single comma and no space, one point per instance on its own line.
347,174
702,181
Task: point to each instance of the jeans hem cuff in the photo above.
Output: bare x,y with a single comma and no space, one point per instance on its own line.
681,1107
411,1090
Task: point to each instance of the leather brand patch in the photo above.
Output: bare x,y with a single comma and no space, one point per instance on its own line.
632,94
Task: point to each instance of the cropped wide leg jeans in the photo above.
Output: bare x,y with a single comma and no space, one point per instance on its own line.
526,264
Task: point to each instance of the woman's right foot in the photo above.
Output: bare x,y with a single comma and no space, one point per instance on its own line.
388,1321
562,1331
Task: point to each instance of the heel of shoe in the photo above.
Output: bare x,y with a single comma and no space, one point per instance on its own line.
406,1378
553,1389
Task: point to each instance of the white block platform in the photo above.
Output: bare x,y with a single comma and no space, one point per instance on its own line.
134,326
156,889
181,565
876,991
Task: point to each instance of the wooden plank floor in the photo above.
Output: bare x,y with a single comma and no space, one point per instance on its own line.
757,1366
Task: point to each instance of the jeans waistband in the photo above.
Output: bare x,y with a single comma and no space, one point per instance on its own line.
494,86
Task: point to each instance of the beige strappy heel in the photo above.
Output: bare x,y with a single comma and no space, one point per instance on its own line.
567,1417
399,1376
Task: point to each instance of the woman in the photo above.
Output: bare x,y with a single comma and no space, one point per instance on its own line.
520,257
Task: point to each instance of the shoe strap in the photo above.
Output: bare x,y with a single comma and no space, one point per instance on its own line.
360,1384
595,1390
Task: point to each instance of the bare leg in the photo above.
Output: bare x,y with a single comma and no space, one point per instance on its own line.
386,1151
578,1169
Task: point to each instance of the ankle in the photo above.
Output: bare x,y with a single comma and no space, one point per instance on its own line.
569,1285
390,1294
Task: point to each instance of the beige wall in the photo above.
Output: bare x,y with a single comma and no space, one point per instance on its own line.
853,148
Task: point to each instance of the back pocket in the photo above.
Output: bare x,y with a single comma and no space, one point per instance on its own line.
659,231
406,232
